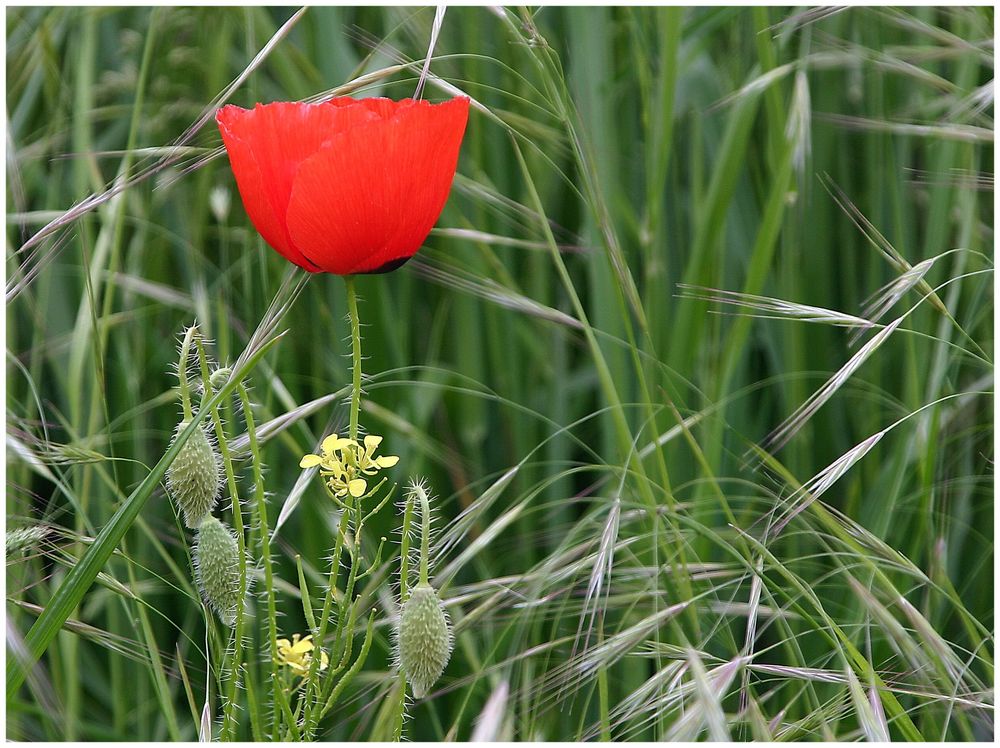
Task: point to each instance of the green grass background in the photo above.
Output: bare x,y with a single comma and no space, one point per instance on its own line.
590,419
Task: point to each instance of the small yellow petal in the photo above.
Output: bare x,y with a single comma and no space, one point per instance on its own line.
386,461
372,442
303,647
357,487
334,443
310,461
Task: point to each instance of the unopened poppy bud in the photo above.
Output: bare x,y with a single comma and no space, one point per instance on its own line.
219,377
194,477
423,638
217,568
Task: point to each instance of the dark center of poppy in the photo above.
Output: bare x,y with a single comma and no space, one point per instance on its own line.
387,267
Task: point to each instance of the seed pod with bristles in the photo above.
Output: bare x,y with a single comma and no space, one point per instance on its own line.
423,638
195,476
217,568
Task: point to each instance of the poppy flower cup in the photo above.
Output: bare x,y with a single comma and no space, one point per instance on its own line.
347,186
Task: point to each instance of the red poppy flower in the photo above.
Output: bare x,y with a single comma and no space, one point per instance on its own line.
347,186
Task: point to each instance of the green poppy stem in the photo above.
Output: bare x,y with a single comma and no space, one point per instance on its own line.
352,311
425,533
182,376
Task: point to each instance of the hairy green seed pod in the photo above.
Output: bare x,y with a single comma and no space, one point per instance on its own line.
194,477
217,568
423,638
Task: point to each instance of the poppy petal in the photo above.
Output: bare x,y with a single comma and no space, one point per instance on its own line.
266,145
268,222
371,195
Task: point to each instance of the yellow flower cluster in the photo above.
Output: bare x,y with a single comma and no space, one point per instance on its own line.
345,464
297,654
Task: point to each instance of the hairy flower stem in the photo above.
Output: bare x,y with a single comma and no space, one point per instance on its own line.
399,711
352,311
228,731
345,609
346,602
265,544
331,586
182,377
425,533
355,668
346,619
404,549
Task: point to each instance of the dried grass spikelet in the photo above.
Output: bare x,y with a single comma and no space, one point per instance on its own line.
24,539
217,568
195,476
423,639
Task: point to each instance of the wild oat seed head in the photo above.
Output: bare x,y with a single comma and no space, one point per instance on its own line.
217,568
423,639
195,476
22,539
